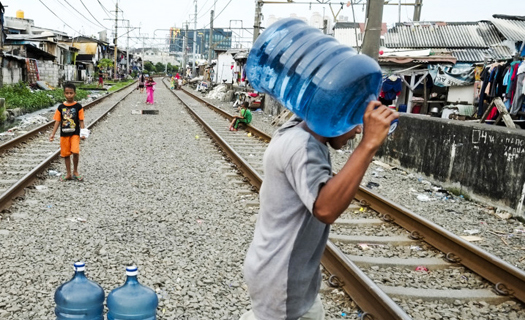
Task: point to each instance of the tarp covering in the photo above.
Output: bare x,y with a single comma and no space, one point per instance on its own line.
461,74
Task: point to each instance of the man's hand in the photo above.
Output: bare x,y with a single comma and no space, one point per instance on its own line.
376,123
52,137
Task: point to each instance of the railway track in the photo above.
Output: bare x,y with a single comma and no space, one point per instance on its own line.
384,239
23,158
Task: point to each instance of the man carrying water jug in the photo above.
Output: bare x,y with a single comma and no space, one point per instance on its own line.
299,199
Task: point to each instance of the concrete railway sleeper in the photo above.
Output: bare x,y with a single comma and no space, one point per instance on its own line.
26,156
385,239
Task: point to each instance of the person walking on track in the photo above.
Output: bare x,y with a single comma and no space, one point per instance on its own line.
70,117
150,89
142,80
299,199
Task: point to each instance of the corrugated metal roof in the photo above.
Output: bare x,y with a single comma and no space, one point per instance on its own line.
478,55
513,30
442,35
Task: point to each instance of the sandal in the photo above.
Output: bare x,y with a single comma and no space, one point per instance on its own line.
78,178
65,178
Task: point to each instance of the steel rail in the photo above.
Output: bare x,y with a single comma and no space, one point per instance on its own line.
254,131
507,278
481,262
18,188
22,138
248,171
368,296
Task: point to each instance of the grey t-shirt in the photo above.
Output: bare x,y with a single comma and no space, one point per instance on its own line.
282,264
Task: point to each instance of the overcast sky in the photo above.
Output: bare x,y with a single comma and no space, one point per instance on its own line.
150,15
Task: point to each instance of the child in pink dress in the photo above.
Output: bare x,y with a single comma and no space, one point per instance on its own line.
150,89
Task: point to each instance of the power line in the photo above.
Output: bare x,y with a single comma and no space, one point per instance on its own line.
58,16
104,8
80,13
92,15
226,6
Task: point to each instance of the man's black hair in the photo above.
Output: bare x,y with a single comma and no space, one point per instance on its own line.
70,85
246,104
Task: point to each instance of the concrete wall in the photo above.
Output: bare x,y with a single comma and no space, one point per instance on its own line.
485,161
48,72
12,73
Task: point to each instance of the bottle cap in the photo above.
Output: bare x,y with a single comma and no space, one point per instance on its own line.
132,271
79,266
393,126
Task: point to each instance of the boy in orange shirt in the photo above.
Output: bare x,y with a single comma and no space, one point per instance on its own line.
70,117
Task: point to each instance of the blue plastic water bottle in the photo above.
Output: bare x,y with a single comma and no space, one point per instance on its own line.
325,83
79,298
132,301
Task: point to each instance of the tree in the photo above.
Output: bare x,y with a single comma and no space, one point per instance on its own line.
149,67
160,67
105,63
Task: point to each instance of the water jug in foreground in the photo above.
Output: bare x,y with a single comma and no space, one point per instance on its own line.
79,298
132,301
325,83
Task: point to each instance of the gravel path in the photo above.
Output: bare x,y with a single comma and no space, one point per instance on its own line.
155,196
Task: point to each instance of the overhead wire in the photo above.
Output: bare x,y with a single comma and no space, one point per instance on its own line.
58,16
80,13
108,13
93,15
226,6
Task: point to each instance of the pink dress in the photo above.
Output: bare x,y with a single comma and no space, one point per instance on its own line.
150,90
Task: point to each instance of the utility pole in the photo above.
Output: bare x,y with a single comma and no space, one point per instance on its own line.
374,21
257,20
115,40
417,10
2,10
211,39
185,48
194,40
127,52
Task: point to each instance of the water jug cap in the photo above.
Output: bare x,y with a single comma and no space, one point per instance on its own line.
132,271
80,266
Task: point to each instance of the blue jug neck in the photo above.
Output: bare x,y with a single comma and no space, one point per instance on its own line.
79,275
132,280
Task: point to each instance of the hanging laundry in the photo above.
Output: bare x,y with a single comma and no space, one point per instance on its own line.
390,89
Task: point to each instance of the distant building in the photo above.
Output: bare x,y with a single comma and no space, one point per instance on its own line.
222,41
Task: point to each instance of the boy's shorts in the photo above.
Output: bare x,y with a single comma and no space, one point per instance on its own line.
69,145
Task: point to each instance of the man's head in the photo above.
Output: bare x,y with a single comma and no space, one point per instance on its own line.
70,91
245,104
340,141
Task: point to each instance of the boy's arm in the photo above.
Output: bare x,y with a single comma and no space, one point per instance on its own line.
81,122
337,194
55,127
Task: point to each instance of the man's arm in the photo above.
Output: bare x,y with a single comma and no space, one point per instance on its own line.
337,194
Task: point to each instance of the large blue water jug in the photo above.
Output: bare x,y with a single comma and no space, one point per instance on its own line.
79,298
132,301
327,84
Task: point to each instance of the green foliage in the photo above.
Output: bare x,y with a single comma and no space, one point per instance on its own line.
105,63
159,67
20,96
172,68
134,74
148,66
120,85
